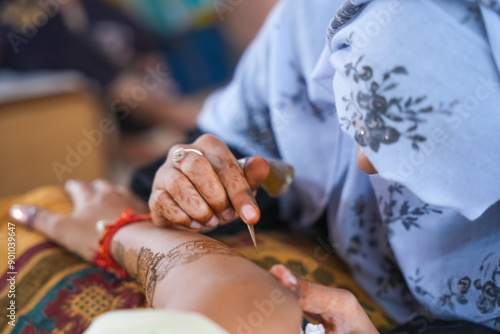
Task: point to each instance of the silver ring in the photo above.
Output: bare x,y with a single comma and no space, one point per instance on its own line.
180,153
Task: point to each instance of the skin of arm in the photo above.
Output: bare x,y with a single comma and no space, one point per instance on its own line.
187,271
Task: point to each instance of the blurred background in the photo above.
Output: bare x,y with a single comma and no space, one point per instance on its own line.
94,89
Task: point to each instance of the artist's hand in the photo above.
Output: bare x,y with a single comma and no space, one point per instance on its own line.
205,190
339,309
91,202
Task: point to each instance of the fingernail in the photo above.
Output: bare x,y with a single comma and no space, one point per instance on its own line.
213,222
69,183
249,212
283,274
289,277
20,213
228,214
275,269
195,225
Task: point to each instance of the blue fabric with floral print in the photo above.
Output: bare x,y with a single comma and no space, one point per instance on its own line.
414,84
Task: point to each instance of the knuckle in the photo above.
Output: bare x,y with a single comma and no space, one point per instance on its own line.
197,207
177,186
154,199
164,168
177,217
235,168
208,139
348,298
163,176
203,215
159,220
219,203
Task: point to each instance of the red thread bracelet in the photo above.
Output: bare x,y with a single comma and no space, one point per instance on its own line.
103,258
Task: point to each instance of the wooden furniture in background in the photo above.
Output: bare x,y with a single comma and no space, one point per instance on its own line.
51,130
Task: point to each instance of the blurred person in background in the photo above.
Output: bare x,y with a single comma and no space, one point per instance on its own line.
107,46
147,66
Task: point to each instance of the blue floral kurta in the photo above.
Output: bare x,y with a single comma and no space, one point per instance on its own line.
414,84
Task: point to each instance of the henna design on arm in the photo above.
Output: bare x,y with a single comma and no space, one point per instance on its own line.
150,267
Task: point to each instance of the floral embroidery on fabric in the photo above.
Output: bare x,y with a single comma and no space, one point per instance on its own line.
459,290
373,111
473,13
345,14
418,288
370,223
394,211
390,278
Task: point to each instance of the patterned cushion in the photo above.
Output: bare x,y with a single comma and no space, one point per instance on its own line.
57,292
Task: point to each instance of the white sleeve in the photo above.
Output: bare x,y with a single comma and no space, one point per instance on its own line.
148,321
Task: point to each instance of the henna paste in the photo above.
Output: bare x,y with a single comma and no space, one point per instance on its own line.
153,267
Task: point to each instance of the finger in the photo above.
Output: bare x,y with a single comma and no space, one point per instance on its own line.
101,185
339,309
168,211
51,225
124,190
231,177
313,298
238,190
201,174
78,192
158,219
187,197
41,220
256,170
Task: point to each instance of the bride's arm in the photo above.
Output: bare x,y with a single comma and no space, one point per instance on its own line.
179,270
183,270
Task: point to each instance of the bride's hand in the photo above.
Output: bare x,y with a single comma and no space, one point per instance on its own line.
339,309
91,203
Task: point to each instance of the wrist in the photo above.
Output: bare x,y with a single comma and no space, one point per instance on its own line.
103,257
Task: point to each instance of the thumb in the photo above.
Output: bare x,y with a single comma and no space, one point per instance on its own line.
313,298
339,309
255,170
41,220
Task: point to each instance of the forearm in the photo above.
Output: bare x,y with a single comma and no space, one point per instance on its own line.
187,271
